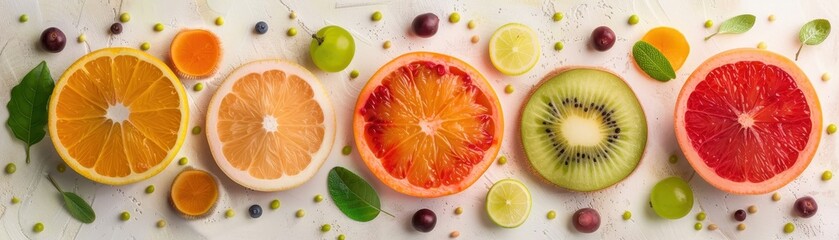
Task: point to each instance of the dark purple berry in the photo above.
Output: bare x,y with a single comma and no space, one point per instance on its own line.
255,211
53,40
806,206
586,220
261,27
425,25
740,215
116,28
424,220
603,38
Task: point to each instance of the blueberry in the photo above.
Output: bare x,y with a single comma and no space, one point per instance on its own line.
255,211
261,27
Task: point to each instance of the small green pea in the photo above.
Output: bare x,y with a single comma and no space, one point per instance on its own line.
354,74
551,214
198,87
158,27
502,160
161,223
508,89
82,38
219,21
300,213
342,237
831,129
673,159
633,19
23,18
827,175
761,45
377,16
454,17
346,150
558,46
150,189
318,198
124,17
292,15
700,216
627,215
183,161
145,46
124,216
291,32
709,23
386,45
557,17
789,228
61,167
275,204
11,168
471,24
458,211
196,130
229,213
39,227
325,228
15,200
697,226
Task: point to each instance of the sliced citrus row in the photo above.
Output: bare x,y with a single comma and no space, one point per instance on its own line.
194,193
514,49
118,116
671,43
270,125
427,124
748,121
508,203
195,53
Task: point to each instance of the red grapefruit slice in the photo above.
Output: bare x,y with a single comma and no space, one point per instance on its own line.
427,124
748,121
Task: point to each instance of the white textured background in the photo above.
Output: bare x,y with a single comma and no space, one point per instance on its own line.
19,52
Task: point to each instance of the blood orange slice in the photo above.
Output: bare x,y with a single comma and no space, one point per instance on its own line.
748,121
427,124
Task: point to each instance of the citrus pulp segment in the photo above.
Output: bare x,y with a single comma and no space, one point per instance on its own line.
514,49
270,125
194,193
118,116
427,124
748,121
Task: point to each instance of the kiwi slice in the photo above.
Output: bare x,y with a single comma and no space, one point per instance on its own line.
583,129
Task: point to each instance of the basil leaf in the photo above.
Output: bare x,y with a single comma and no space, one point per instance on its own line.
652,61
78,207
813,33
738,24
353,196
28,106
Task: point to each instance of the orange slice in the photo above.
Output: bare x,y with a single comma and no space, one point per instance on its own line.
671,43
270,125
195,53
118,116
194,193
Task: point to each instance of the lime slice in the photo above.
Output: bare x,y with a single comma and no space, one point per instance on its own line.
508,203
514,49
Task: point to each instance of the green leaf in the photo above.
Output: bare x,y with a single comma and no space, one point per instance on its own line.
354,196
813,33
738,24
28,106
74,204
652,61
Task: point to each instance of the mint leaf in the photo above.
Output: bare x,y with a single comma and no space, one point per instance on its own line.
28,106
652,61
353,196
74,204
738,24
813,33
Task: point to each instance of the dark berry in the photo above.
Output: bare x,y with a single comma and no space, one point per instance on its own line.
255,211
603,38
740,215
53,40
116,28
424,220
425,25
806,206
261,27
586,220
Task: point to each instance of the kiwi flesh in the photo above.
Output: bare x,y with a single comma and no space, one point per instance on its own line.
583,129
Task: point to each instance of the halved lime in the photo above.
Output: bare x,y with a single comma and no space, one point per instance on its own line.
508,203
514,49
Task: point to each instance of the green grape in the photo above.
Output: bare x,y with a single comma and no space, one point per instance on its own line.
332,48
671,198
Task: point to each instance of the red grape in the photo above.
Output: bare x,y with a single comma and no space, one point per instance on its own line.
425,25
424,220
806,206
586,220
53,40
603,38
